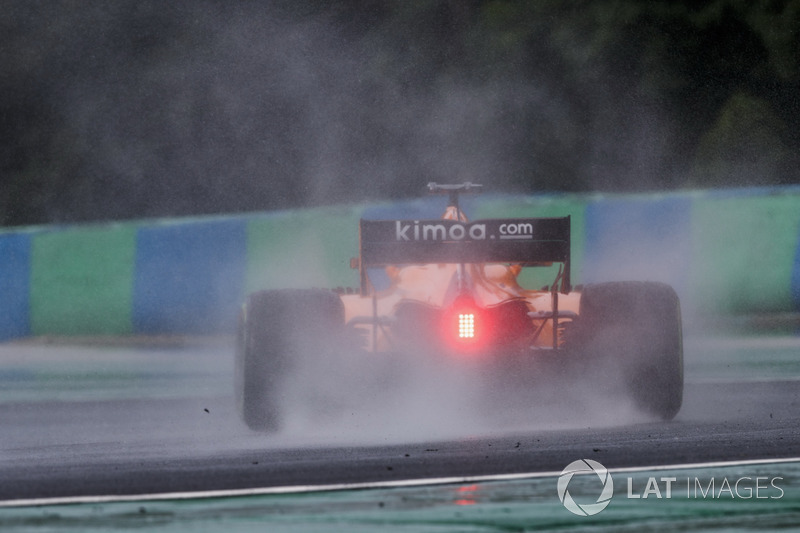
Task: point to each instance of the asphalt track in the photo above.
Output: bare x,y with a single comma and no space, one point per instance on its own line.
149,419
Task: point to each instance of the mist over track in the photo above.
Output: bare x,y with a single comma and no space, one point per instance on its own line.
81,421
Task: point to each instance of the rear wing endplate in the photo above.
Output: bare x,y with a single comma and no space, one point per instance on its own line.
528,241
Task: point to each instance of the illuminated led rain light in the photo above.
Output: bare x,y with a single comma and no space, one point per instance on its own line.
466,326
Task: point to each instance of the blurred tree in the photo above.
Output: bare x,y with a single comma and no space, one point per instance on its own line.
747,144
141,108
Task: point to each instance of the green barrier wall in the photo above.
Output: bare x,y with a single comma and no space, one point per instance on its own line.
80,281
726,252
743,253
302,249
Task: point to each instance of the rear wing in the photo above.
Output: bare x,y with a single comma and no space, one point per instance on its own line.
528,241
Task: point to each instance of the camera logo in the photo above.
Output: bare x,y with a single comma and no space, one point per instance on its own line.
585,466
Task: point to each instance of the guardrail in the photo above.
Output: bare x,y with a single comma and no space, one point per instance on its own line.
726,252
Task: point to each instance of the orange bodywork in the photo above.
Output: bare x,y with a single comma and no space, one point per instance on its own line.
490,285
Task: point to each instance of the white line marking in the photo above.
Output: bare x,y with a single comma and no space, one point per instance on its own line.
303,489
742,381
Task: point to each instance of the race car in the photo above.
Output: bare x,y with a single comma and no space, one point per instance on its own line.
449,290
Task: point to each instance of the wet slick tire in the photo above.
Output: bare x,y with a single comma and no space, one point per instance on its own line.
276,327
634,329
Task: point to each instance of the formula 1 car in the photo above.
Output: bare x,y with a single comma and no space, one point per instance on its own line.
453,294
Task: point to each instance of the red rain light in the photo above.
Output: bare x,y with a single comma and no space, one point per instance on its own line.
465,325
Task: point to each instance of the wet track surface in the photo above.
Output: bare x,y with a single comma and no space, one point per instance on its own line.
149,419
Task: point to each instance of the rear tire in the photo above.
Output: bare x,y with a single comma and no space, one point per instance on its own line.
276,327
635,327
